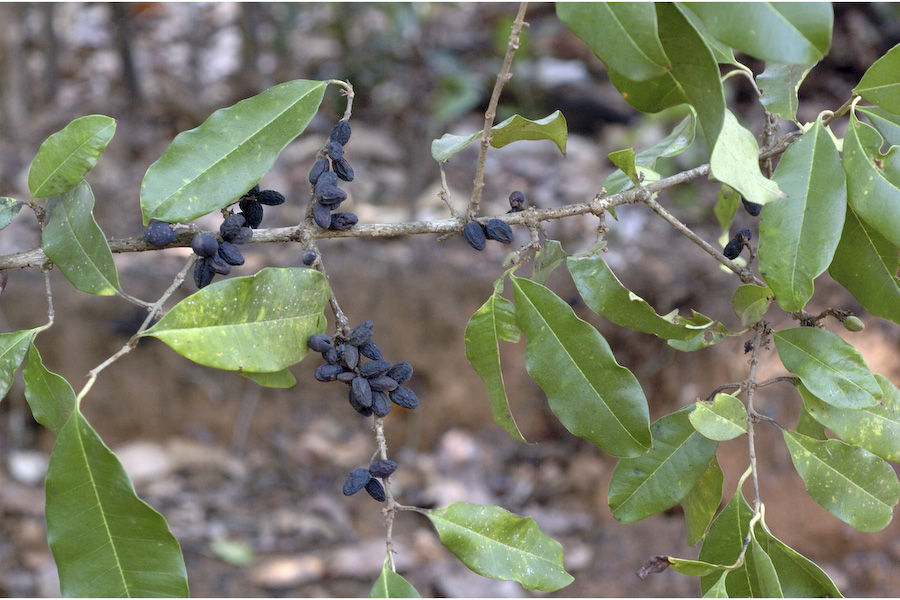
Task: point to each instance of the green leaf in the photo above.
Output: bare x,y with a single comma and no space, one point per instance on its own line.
876,428
278,379
727,201
212,165
798,576
516,128
799,234
851,483
717,590
763,571
870,191
887,123
750,302
713,333
702,502
865,263
498,544
239,554
721,52
785,32
13,346
693,568
622,35
391,585
105,540
9,208
778,85
589,392
807,424
723,419
256,323
75,243
50,397
650,96
735,161
661,478
66,156
494,321
605,295
828,366
550,256
881,82
624,160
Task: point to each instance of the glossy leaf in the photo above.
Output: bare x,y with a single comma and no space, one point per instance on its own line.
76,244
881,82
778,85
718,589
550,256
66,156
256,323
851,483
828,366
105,540
50,396
735,161
866,264
13,346
589,392
799,234
9,208
873,195
212,165
391,585
723,53
750,302
785,32
702,502
807,424
494,321
624,161
875,428
885,122
622,35
605,295
763,571
798,576
661,478
650,96
498,544
278,379
723,419
693,568
514,129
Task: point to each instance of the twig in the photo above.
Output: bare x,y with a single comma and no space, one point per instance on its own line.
51,313
348,92
502,77
390,510
750,385
844,109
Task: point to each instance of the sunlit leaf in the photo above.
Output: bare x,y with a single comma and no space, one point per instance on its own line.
723,419
624,160
66,156
885,122
727,201
702,502
881,82
50,397
391,585
516,128
550,256
735,161
750,302
9,208
13,346
278,379
778,85
763,571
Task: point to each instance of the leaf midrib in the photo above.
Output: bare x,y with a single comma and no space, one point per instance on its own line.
76,236
62,163
827,366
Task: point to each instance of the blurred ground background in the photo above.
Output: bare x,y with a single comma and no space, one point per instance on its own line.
249,478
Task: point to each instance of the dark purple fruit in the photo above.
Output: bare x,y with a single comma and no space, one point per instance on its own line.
374,368
351,356
203,274
343,169
382,468
309,257
319,167
751,207
733,248
498,230
159,234
347,377
253,213
218,265
334,150
328,372
400,372
342,220
361,334
745,234
405,397
341,132
331,356
371,350
330,195
361,391
251,194
231,254
231,226
356,480
270,198
243,236
382,383
205,245
381,404
375,489
516,201
474,234
319,342
321,215
365,411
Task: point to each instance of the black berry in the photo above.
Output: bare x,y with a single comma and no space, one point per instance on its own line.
341,132
374,368
405,397
342,220
270,198
231,254
343,169
382,468
203,274
751,207
253,213
371,350
381,404
474,234
159,234
498,230
400,372
361,334
309,257
231,226
321,215
319,342
356,481
516,201
375,489
205,245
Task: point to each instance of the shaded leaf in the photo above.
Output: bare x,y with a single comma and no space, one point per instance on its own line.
702,502
105,540
66,156
717,590
589,392
550,256
256,323
828,366
498,544
723,53
727,201
735,161
13,346
723,419
212,165
798,576
50,396
851,483
763,571
516,128
885,122
75,243
713,333
494,321
661,478
778,85
624,160
391,585
799,234
880,84
9,208
807,424
278,379
650,96
750,302
694,568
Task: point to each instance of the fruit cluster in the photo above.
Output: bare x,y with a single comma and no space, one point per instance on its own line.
363,477
331,166
477,234
736,244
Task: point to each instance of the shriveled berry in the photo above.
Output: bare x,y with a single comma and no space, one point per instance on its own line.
343,220
309,257
231,254
745,234
205,245
374,368
356,481
203,275
382,383
381,404
361,334
474,234
371,350
365,411
751,207
733,248
218,265
375,489
341,132
498,230
159,234
382,468
231,226
251,194
351,356
343,169
321,215
405,397
334,150
243,236
331,356
853,323
516,201
253,213
346,377
328,372
330,195
270,198
319,167
360,389
319,342
400,372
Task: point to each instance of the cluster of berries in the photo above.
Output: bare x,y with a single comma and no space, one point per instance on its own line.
477,234
736,244
363,477
324,175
